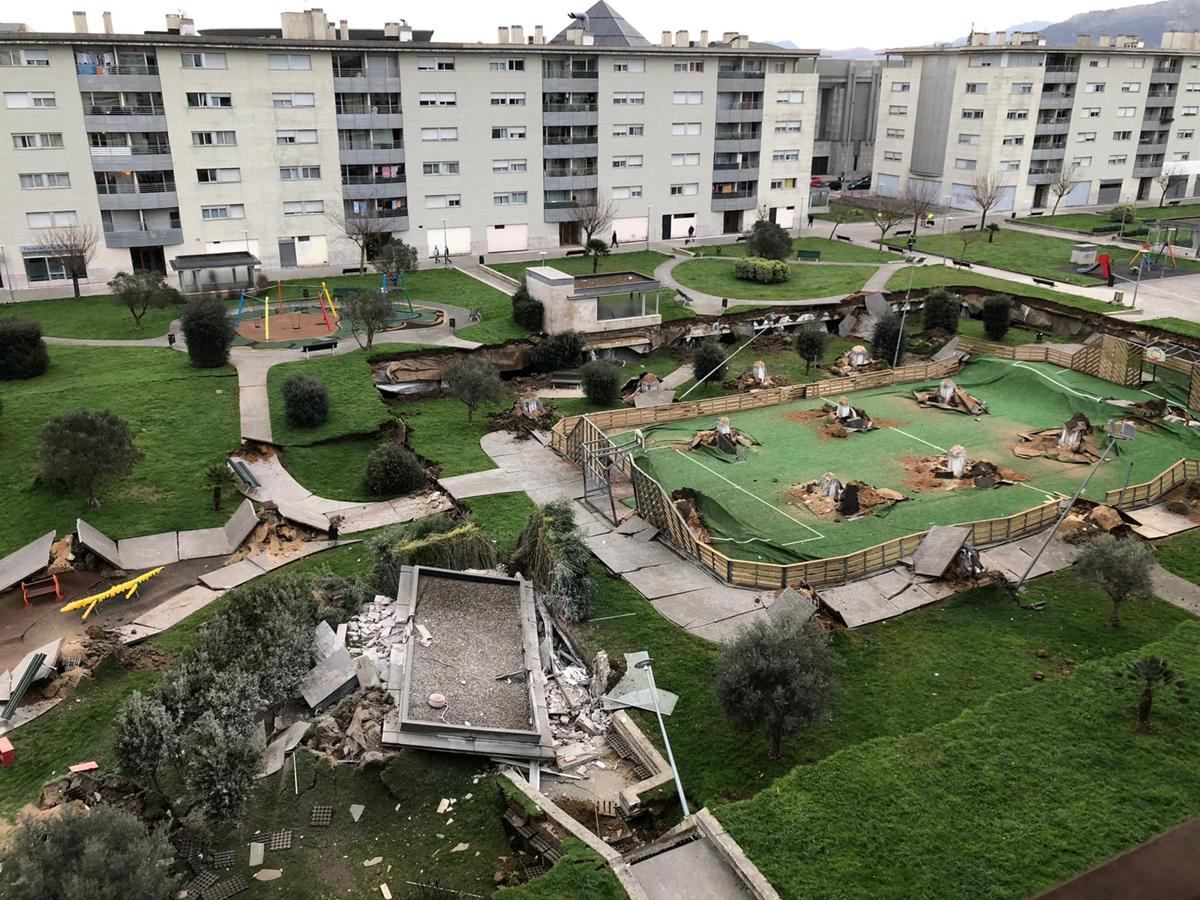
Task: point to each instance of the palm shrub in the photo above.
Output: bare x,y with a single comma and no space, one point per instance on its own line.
1148,672
393,469
763,271
305,401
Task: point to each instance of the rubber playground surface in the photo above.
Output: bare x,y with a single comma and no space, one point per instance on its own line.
303,322
748,511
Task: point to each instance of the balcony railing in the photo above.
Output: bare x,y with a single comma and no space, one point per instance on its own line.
140,227
732,167
98,69
741,104
733,195
560,204
730,72
138,150
1045,170
367,109
373,179
569,107
389,145
126,111
1060,68
349,71
738,135
379,214
570,173
551,140
157,187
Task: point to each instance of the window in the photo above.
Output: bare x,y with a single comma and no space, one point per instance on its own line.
977,87
439,134
1094,87
783,184
789,96
1122,135
293,61
442,201
685,159
901,87
629,129
684,190
1181,156
198,100
979,62
226,211
435,63
1186,134
1010,165
787,126
428,98
1126,112
1118,159
441,167
1091,112
24,58
203,60
1023,87
296,136
627,162
1085,137
1017,115
895,133
42,180
1082,161
510,198
62,218
30,100
895,110
43,140
893,155
508,133
508,99
687,98
303,207
1189,110
510,165
627,192
506,65
693,65
1136,62
1192,87
685,129
214,138
967,164
972,113
44,268
1131,87
785,156
218,176
1013,140
972,139
299,173
1101,63
287,101
629,65
629,98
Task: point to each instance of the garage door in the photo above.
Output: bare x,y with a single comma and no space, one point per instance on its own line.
506,238
457,239
1008,196
630,229
1078,195
785,216
887,185
1110,192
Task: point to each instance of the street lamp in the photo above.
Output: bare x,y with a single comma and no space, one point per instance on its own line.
1137,284
646,666
900,337
945,222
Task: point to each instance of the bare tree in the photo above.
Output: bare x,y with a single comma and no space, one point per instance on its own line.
366,230
1062,184
888,214
593,218
74,247
839,213
1163,180
919,198
985,191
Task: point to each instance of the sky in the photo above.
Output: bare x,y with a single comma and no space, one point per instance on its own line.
868,23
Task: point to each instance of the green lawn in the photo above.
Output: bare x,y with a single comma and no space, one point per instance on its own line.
1181,555
182,419
831,250
334,469
502,516
580,873
846,212
1012,796
354,404
929,276
440,433
1085,221
1179,326
644,261
715,277
102,317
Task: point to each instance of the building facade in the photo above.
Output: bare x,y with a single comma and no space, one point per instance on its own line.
289,143
1095,123
847,108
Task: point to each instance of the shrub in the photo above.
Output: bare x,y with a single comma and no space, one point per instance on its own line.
997,310
393,469
810,345
395,257
82,450
601,382
552,554
707,357
305,401
1123,212
208,331
22,350
474,381
527,312
440,540
560,351
261,281
890,341
941,312
768,241
763,271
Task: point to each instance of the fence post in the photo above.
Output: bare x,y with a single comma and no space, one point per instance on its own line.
729,570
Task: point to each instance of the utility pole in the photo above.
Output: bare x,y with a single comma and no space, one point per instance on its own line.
646,665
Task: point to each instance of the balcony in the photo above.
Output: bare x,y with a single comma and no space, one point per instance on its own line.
131,159
1056,100
1052,151
740,111
379,188
1157,101
737,144
142,237
155,195
1164,76
1060,74
577,146
725,173
571,82
726,200
579,179
567,113
731,79
124,118
121,77
1053,127
1151,147
1147,171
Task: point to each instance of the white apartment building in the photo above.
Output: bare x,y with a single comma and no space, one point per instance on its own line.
187,143
1111,113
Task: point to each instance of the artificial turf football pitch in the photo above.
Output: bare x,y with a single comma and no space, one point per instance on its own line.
748,510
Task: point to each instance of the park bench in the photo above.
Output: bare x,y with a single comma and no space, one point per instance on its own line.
963,264
902,250
842,237
1032,214
808,254
565,380
576,253
902,232
319,345
970,227
43,587
243,474
1044,281
475,315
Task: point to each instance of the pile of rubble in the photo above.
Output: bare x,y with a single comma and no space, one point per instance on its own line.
756,379
854,361
685,504
1072,443
379,626
954,470
84,789
273,535
723,437
830,499
1081,525
353,730
949,395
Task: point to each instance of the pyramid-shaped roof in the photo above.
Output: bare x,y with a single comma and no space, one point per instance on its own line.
607,27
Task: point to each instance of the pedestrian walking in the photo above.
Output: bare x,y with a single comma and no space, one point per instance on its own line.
437,254
614,240
811,218
691,234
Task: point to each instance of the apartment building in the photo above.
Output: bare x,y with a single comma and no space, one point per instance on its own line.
1104,118
847,109
189,143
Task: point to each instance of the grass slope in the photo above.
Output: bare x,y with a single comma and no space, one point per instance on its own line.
502,516
1179,326
354,404
715,277
1180,555
580,873
440,433
1008,798
99,318
183,419
945,276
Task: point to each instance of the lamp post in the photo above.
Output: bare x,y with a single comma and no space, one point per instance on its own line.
646,665
1137,284
945,222
903,316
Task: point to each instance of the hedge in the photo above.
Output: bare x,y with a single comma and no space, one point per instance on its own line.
764,271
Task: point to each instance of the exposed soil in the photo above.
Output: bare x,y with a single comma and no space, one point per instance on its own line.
143,658
920,474
803,416
869,499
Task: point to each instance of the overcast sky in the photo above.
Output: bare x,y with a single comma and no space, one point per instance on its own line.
866,23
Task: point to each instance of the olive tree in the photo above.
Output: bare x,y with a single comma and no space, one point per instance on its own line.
1121,568
475,382
81,450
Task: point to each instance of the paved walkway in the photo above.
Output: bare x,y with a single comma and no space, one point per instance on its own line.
1176,590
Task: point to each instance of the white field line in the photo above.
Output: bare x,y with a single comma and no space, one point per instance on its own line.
1056,381
922,440
818,534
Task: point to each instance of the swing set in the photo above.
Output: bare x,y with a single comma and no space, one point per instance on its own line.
1156,257
296,317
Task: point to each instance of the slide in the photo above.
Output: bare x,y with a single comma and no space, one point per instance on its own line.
1088,270
1103,263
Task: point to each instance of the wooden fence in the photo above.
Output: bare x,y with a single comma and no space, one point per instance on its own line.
1050,353
1149,492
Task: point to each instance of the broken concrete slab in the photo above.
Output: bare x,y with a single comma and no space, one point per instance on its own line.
364,669
203,543
239,526
938,549
258,853
621,554
725,630
478,484
150,551
20,564
267,874
283,744
859,603
356,811
631,525
231,576
303,514
328,679
711,604
789,603
1156,522
177,608
634,689
99,543
325,640
677,577
373,861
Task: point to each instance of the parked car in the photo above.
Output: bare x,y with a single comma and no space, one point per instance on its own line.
834,184
860,184
815,181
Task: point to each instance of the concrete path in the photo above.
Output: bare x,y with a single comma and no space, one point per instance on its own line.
487,276
680,376
1176,590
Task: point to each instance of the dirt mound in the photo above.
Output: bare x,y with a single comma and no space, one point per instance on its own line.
115,790
926,474
849,501
143,659
274,536
804,416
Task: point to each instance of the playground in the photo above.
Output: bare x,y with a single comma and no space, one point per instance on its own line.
294,315
762,508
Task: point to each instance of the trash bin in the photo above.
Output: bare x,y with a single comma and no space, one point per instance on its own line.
1119,298
452,323
170,339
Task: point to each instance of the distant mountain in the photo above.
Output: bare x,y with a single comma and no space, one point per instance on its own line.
785,45
851,53
1148,22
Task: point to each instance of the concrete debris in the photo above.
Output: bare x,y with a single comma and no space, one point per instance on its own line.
634,689
61,557
426,639
354,730
330,678
385,891
356,811
443,806
376,630
373,861
267,874
460,847
258,852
